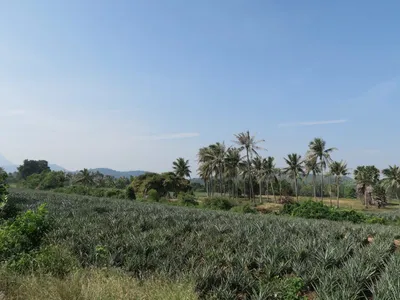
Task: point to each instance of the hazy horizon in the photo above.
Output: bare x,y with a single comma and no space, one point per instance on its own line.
133,85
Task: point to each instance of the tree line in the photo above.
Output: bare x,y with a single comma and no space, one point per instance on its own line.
233,171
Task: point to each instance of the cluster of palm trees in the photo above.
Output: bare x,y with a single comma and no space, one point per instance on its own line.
221,166
88,178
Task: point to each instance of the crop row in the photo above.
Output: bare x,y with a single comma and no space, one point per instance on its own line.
228,255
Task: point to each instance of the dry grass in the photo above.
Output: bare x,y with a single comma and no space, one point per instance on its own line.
92,285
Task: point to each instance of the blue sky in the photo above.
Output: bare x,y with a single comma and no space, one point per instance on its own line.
136,84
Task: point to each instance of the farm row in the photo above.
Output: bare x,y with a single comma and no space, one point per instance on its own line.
226,255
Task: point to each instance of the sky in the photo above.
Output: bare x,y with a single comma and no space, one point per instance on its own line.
135,84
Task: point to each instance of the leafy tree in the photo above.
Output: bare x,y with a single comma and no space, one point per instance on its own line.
122,182
30,167
52,180
3,188
130,193
181,167
85,177
109,181
99,179
349,191
162,183
338,169
153,195
294,169
317,152
392,179
249,144
366,177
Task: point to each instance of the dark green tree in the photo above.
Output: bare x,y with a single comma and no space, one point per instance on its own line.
30,167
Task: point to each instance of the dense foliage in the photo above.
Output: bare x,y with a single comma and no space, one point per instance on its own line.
317,210
163,183
95,192
3,189
30,167
227,255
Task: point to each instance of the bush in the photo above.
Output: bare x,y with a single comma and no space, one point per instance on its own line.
25,233
219,203
244,209
3,189
317,210
153,195
50,260
187,199
130,193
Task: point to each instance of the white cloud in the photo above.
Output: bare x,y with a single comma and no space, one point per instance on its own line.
169,136
312,123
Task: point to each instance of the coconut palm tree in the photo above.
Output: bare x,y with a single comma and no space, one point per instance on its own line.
338,169
392,179
294,169
181,167
270,176
366,177
248,174
259,171
232,168
311,167
249,144
212,161
318,152
85,177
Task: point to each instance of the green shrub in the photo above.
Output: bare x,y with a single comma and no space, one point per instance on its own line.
244,209
130,193
153,195
3,189
25,233
51,260
317,210
187,199
376,220
220,203
292,288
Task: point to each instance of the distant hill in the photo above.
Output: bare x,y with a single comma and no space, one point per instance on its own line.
118,174
7,165
55,167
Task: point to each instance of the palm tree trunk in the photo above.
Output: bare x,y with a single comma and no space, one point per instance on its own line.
314,187
280,190
322,186
330,191
273,191
267,191
295,187
220,183
365,198
337,190
249,171
212,186
259,184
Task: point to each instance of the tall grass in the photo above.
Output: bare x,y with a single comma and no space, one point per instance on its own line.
93,285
